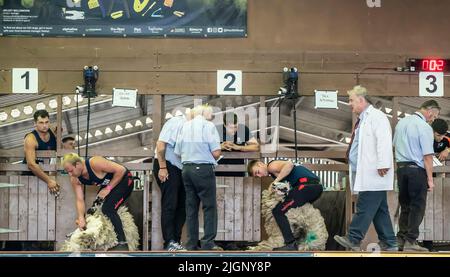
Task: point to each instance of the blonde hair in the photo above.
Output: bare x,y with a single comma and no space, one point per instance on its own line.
204,110
71,158
360,91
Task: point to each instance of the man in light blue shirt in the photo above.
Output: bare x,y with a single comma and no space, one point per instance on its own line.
167,171
413,142
199,147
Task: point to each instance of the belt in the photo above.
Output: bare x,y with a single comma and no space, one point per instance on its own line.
407,164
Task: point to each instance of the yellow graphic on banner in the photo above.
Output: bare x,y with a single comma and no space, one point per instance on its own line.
117,14
93,4
139,6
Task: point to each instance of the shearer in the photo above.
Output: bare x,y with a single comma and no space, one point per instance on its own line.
305,188
116,185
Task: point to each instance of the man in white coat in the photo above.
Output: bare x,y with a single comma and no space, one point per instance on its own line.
372,173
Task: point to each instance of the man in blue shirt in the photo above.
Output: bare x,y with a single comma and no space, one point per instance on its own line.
167,170
413,142
199,147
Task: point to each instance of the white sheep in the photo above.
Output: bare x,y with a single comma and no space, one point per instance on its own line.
99,234
307,225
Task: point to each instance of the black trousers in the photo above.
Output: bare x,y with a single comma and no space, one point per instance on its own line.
297,197
173,203
114,200
413,187
200,184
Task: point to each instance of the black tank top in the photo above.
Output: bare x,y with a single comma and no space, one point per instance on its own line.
298,175
42,145
93,179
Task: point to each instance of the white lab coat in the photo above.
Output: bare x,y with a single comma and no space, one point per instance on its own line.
374,152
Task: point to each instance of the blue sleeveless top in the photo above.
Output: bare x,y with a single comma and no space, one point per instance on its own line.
42,145
297,175
93,179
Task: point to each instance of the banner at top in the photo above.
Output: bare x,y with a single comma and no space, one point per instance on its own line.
124,18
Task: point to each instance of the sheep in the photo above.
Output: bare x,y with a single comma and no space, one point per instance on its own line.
99,234
306,222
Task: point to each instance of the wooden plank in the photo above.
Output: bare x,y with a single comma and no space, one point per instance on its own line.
14,208
42,211
51,213
23,208
220,195
238,209
429,217
4,207
446,208
438,219
32,208
145,215
229,208
248,208
157,239
257,209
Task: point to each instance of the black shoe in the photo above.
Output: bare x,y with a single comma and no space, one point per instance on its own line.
288,247
121,246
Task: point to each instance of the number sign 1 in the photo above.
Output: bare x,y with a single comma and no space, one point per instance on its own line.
25,80
229,82
431,84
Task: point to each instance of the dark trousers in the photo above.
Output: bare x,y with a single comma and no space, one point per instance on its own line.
372,207
200,185
173,203
297,197
114,200
413,186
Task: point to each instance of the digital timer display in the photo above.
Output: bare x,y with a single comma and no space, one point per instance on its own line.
432,65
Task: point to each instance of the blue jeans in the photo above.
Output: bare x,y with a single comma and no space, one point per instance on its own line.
372,206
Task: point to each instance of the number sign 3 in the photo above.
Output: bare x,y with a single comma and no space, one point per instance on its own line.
431,84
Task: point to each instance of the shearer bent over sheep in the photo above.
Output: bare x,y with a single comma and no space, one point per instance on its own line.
304,188
116,185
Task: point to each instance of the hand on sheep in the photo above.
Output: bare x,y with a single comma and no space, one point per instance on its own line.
81,222
103,193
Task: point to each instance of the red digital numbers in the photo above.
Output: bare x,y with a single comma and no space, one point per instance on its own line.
433,65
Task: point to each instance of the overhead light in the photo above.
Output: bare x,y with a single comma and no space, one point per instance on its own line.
148,121
3,116
40,106
118,128
98,133
28,110
53,104
15,113
178,113
78,138
128,125
388,110
168,116
347,140
66,100
108,131
138,123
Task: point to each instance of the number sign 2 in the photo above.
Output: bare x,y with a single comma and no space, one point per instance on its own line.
229,82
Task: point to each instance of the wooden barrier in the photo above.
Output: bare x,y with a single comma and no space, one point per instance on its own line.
27,209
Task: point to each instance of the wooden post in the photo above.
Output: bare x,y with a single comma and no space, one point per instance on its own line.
59,119
157,117
395,108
